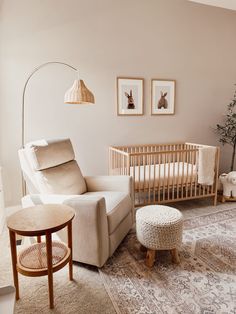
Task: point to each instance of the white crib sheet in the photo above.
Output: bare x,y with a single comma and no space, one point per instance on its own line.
161,174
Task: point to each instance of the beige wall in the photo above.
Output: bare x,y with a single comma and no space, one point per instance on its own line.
177,39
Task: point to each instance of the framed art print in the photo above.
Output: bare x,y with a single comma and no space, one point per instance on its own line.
129,96
163,96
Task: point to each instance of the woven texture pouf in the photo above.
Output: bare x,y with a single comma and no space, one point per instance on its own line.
159,227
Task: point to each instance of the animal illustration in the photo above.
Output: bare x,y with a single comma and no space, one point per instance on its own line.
163,103
130,98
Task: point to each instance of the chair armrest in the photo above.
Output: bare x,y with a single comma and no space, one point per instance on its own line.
112,183
90,226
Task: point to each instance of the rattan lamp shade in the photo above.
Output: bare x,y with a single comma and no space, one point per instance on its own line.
79,94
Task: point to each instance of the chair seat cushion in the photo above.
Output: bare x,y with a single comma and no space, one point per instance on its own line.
118,206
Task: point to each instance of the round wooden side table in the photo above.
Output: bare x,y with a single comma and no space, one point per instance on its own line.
41,258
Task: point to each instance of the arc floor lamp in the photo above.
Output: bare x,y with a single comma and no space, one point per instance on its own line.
77,94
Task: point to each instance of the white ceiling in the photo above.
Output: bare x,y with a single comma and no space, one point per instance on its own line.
227,4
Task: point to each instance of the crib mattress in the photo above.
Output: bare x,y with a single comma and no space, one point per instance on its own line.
163,174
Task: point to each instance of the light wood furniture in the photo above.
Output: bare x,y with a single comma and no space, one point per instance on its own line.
42,258
163,173
151,256
158,228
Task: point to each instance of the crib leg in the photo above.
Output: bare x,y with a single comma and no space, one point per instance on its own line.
215,200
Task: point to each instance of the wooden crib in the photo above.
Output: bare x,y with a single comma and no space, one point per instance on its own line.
163,173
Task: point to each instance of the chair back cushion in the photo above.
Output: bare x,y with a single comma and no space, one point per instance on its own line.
53,168
44,154
62,179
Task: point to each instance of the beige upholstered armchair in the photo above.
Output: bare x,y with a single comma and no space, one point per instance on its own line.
103,204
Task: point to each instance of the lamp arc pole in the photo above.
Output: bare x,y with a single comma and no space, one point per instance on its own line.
25,88
23,104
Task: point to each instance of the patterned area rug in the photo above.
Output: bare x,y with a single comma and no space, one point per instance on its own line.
203,282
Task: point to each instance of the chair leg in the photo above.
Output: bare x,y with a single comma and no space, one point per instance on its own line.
150,257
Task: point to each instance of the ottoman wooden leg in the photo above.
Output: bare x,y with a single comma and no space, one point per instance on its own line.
175,256
150,257
143,248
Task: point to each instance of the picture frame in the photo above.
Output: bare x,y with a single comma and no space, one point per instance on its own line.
130,96
163,96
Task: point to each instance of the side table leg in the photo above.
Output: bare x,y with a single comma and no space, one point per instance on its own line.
69,234
50,273
14,261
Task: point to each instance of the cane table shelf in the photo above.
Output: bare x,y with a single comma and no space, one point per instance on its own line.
42,258
32,261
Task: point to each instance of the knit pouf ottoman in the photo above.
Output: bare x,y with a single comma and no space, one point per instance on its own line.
159,227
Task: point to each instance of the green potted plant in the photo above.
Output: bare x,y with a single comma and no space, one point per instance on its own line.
227,131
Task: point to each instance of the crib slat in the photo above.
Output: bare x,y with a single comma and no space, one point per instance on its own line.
154,179
159,178
123,165
119,163
109,165
115,160
134,169
153,174
139,171
195,185
173,176
144,177
203,189
178,157
149,180
128,166
191,180
164,179
182,176
187,179
168,178
208,187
